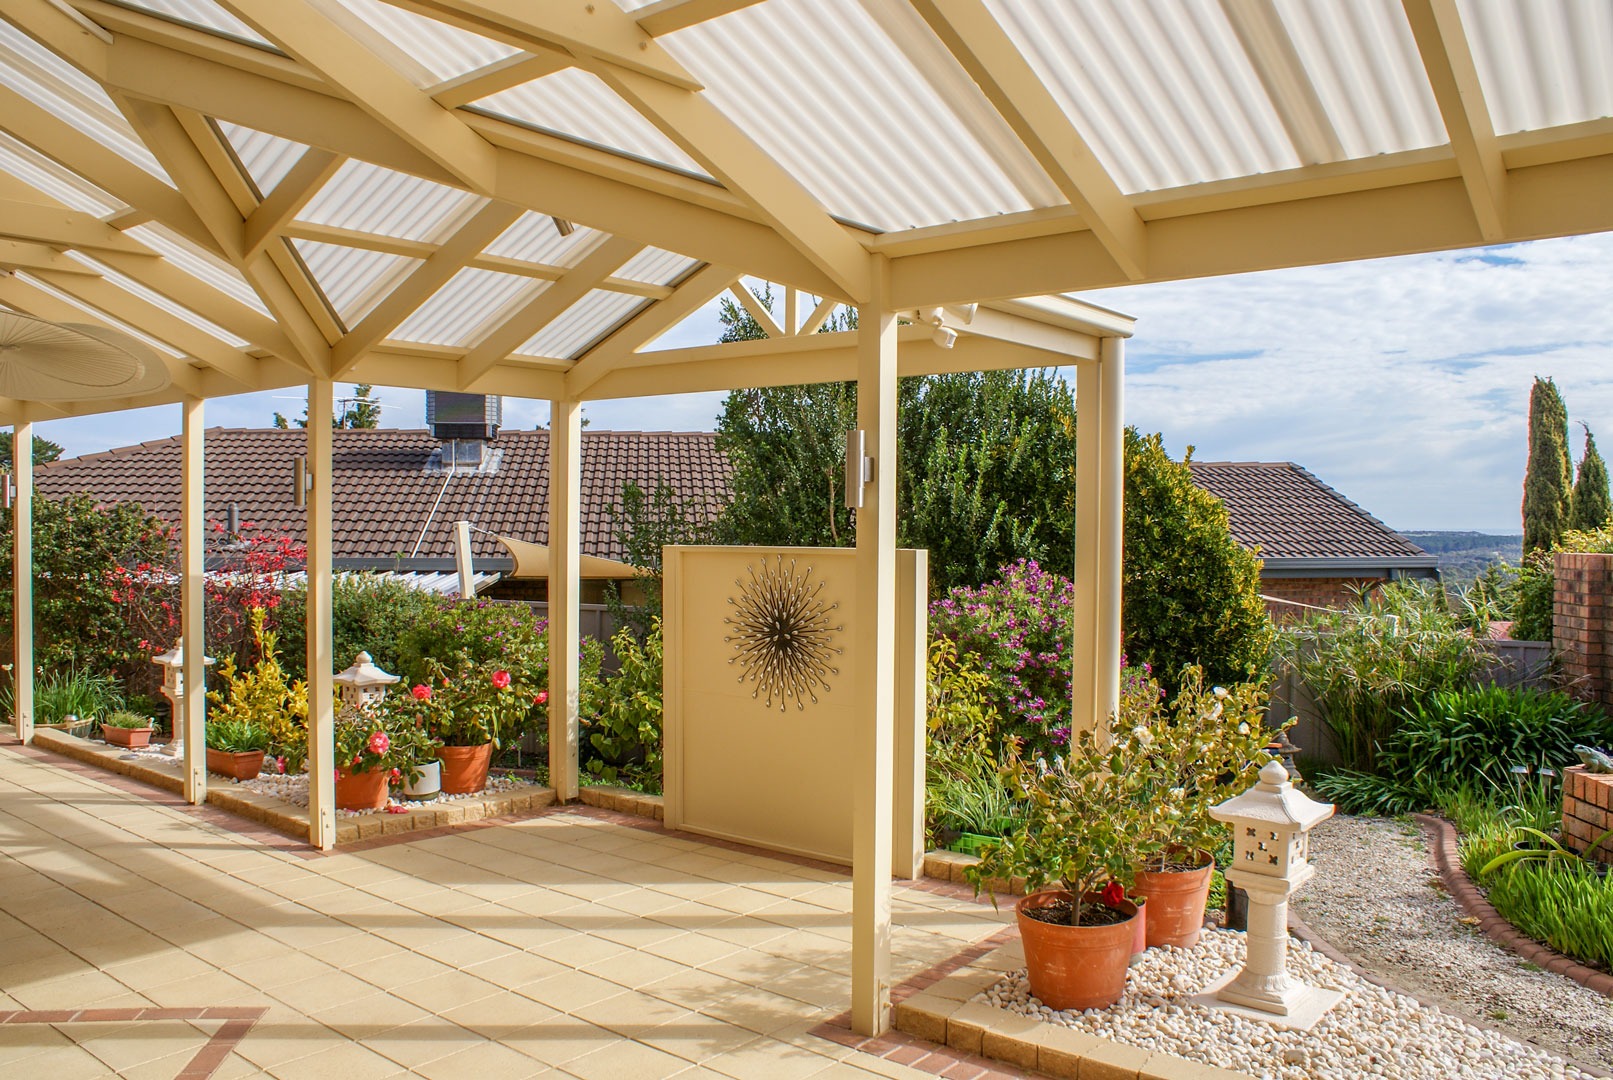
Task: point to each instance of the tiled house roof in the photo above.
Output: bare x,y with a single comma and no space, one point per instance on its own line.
1298,522
387,482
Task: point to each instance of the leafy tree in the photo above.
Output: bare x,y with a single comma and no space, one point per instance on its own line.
645,522
44,450
1590,507
362,410
1546,482
1191,592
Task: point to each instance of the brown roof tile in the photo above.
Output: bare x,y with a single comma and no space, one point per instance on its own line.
384,492
1290,514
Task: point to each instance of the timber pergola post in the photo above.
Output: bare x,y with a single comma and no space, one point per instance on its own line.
321,658
565,546
192,622
22,578
876,665
1099,529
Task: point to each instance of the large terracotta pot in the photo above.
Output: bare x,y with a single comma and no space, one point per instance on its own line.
464,768
361,791
1176,901
1075,967
244,765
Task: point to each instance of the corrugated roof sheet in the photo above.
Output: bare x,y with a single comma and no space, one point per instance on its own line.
266,158
368,198
582,324
461,310
203,14
424,49
1542,64
384,492
533,238
353,279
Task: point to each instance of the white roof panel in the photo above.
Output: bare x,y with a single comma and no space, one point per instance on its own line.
656,267
156,299
202,265
199,13
66,187
352,279
427,51
1542,62
535,239
582,324
458,312
368,198
266,158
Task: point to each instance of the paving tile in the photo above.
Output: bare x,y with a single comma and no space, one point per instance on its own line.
625,1060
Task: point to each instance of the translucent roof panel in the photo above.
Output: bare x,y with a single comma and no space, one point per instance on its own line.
576,104
202,265
425,50
656,267
535,239
1364,64
97,314
368,198
847,110
1542,62
66,187
266,158
352,279
199,13
45,79
582,324
461,310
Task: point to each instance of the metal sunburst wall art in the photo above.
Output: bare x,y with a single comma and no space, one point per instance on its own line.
783,635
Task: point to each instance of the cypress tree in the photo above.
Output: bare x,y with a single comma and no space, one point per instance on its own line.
1546,484
1591,506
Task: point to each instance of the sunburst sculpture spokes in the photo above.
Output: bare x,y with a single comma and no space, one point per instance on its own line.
783,635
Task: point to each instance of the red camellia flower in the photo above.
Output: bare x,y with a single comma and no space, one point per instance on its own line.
540,697
379,743
421,693
501,679
1114,894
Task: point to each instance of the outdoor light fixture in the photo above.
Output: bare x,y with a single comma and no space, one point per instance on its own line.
8,488
944,335
302,481
859,469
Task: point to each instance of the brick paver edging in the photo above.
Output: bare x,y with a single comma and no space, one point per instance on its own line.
1442,836
237,1022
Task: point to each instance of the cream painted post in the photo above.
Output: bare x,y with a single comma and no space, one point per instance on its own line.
1088,496
1111,509
912,705
874,760
565,592
192,598
321,652
22,577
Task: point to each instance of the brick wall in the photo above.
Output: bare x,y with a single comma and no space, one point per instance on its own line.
1582,610
1286,595
1587,810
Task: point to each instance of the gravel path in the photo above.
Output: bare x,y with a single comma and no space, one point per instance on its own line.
1377,898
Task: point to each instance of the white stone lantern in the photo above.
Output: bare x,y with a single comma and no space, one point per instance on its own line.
1271,824
172,663
363,684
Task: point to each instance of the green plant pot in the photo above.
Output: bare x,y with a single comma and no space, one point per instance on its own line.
973,843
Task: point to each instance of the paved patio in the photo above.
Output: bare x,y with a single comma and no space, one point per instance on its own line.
144,939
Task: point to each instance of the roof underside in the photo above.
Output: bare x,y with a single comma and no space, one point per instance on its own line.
514,197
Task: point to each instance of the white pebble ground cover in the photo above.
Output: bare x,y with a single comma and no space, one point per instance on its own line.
1373,1032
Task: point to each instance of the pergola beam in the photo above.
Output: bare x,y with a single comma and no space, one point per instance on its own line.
498,76
61,227
971,32
669,16
295,190
1448,58
693,293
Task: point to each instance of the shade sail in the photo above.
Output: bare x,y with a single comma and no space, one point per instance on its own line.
532,561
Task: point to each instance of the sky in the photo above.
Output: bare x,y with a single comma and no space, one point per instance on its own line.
1403,383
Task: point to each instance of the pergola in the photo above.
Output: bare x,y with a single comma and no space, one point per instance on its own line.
512,197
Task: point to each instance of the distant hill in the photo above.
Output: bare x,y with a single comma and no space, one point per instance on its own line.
1464,555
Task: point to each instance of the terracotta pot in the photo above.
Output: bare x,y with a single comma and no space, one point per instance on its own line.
361,791
242,765
1075,967
464,768
131,737
1139,927
1176,901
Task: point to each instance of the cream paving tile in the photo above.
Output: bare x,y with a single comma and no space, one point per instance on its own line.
215,988
486,1061
558,1040
625,1060
398,968
580,950
570,990
281,969
691,949
759,1010
691,988
467,950
630,1014
751,968
516,968
234,1067
422,1042
697,1038
635,969
369,1016
443,992
768,1059
239,947
500,1015
283,1035
152,971
122,1046
344,1060
327,991
68,992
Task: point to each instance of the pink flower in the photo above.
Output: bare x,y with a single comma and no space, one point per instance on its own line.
1114,894
540,697
379,743
501,679
421,693
280,765
394,808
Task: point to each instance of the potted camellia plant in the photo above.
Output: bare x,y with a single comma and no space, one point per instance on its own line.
370,760
1084,818
127,729
235,748
481,708
1201,749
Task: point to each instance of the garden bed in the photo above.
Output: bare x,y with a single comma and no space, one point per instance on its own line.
281,802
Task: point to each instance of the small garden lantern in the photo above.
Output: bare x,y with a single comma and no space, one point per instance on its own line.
1271,823
363,684
172,663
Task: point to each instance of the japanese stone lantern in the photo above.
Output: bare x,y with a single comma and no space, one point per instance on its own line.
172,663
363,684
1271,824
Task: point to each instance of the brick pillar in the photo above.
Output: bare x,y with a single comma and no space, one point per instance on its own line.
1582,620
1587,811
